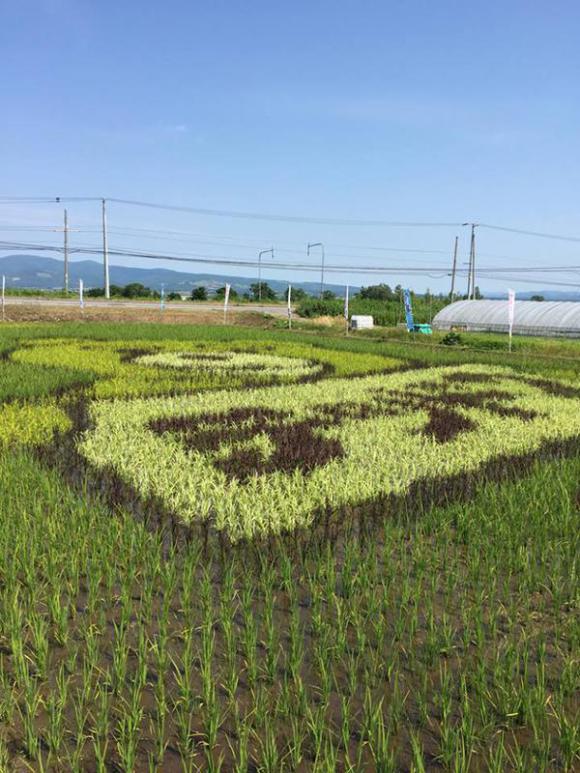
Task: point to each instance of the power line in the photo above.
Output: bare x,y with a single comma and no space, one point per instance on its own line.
160,234
46,199
227,212
192,256
27,228
531,281
236,241
332,221
166,235
529,233
336,267
431,271
279,217
283,218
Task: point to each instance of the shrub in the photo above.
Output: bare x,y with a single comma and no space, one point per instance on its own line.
199,293
451,339
221,293
268,294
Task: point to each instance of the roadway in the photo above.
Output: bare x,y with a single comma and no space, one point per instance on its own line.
181,306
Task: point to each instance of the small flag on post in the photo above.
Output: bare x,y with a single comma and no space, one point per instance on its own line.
226,301
511,314
81,296
346,309
409,311
289,306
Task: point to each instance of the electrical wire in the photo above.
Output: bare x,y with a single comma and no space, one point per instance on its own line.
522,232
531,281
46,199
431,271
258,243
165,235
282,217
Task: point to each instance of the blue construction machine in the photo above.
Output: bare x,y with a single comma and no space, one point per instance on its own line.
412,326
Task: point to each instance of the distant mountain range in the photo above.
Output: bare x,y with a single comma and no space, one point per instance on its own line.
41,273
547,295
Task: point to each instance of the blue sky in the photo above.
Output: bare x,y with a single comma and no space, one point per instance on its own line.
447,111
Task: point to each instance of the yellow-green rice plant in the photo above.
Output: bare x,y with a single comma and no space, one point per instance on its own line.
31,424
367,438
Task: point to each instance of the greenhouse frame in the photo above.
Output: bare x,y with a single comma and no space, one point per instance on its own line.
531,318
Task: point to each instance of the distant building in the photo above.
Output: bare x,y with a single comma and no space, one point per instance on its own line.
360,322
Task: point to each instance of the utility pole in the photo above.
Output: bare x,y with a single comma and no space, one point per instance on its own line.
469,271
454,270
321,245
263,252
65,230
66,252
472,251
105,250
471,268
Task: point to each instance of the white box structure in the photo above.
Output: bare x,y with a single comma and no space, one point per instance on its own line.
360,322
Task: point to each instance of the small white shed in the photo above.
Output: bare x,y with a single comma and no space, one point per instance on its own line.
361,322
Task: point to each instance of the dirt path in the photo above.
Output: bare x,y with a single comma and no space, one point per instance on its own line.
53,311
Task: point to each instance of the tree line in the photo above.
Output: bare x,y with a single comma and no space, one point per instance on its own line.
381,300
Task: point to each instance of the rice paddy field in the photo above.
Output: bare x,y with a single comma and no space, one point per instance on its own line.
244,550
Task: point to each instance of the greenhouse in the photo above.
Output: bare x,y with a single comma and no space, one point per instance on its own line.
533,318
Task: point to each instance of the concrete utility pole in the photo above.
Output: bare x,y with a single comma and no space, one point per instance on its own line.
454,270
471,269
66,231
65,250
105,250
321,245
263,252
472,261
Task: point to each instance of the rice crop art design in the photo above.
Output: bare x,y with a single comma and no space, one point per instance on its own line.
146,369
264,367
270,460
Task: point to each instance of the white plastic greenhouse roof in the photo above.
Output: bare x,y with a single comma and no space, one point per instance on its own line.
549,318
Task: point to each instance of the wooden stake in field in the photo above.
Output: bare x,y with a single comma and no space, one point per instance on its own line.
346,310
289,307
81,295
3,296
